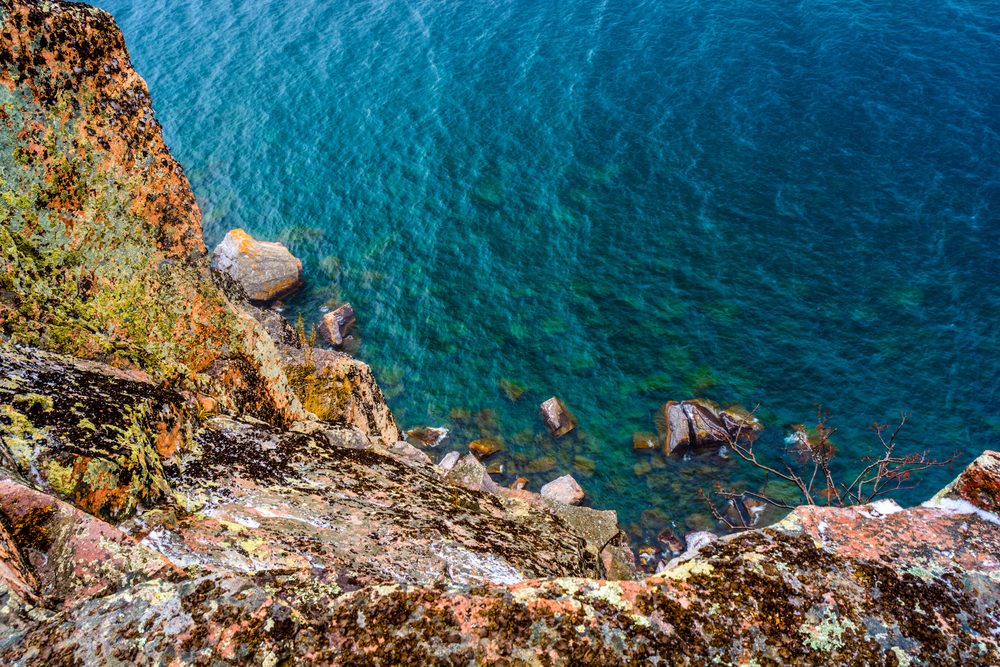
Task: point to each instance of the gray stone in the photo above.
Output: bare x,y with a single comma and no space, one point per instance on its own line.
409,453
449,460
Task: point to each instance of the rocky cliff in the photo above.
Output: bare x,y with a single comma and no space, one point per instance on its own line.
184,480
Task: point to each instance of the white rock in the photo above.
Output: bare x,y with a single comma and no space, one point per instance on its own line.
449,460
564,490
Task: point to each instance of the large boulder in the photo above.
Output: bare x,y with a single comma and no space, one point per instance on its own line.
699,423
265,270
338,388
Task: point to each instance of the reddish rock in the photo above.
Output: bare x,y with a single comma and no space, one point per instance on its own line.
485,447
979,484
336,325
428,436
557,417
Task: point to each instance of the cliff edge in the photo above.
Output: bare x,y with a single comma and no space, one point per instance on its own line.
184,481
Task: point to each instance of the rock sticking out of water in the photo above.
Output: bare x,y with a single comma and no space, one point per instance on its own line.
336,325
265,271
557,417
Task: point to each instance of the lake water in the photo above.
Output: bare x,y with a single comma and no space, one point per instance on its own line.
619,203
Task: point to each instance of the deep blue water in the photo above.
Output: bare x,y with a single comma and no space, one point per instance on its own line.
618,202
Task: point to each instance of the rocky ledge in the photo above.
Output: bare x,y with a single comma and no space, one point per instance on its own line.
184,479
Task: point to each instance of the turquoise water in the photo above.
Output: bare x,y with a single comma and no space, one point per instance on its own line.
618,202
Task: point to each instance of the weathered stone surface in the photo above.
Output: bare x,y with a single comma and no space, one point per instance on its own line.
470,474
557,417
978,485
407,452
564,490
71,555
265,270
86,432
803,592
340,389
449,460
336,325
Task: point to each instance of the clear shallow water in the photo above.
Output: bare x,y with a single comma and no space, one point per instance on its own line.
619,203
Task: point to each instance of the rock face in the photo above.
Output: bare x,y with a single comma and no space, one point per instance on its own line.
101,250
556,417
866,585
699,423
564,490
337,324
265,270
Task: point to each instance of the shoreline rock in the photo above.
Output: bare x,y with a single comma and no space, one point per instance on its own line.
336,325
265,270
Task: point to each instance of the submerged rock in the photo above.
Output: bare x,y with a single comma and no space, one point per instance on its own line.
485,447
556,417
265,270
337,325
564,490
429,436
642,441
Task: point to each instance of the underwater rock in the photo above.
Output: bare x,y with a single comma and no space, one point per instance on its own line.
520,483
642,441
429,436
265,270
556,417
700,423
669,539
485,447
564,490
337,324
495,468
540,465
512,389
